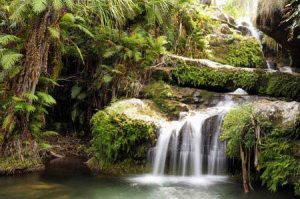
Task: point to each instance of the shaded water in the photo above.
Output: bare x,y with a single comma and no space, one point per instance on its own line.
88,187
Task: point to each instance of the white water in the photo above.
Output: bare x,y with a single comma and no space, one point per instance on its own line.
191,146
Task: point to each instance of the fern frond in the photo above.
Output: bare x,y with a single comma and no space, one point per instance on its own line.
69,4
7,39
30,96
54,32
46,99
39,5
57,4
24,107
19,10
85,30
7,122
10,59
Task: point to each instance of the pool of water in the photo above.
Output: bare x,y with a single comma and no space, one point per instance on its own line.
37,186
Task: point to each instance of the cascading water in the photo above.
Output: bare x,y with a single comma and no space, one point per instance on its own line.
191,146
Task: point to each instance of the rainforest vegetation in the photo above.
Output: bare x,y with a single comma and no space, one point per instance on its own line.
65,65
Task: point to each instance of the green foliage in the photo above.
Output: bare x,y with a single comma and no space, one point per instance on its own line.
197,23
117,138
240,52
204,77
272,84
283,86
277,159
238,129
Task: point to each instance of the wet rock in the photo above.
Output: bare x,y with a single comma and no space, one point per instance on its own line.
281,113
282,23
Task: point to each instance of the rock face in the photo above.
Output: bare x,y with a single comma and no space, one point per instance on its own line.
284,114
282,24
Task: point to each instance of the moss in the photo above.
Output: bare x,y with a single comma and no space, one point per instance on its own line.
204,77
117,138
164,96
278,85
13,165
238,51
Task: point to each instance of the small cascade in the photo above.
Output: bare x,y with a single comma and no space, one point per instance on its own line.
191,146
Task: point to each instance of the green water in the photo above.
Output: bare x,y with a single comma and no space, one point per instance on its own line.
91,187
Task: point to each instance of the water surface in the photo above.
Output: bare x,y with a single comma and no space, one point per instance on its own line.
37,186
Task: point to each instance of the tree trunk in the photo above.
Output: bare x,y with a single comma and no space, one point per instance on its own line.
35,63
246,180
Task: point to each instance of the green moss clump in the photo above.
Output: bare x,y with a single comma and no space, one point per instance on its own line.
278,85
204,77
240,52
117,138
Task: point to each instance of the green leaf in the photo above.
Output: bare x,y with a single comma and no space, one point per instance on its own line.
68,17
81,96
85,30
107,79
75,91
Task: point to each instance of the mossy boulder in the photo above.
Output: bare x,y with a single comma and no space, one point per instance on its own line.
123,133
238,51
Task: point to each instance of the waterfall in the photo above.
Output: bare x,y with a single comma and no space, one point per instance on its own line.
191,146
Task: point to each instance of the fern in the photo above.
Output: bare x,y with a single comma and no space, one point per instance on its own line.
39,5
46,99
30,96
54,32
69,3
8,60
57,4
7,39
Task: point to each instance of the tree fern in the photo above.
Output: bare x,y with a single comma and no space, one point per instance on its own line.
8,60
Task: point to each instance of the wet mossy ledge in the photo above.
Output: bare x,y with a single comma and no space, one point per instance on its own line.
122,135
209,75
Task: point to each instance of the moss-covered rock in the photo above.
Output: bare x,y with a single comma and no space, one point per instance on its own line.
123,133
164,97
261,82
238,51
